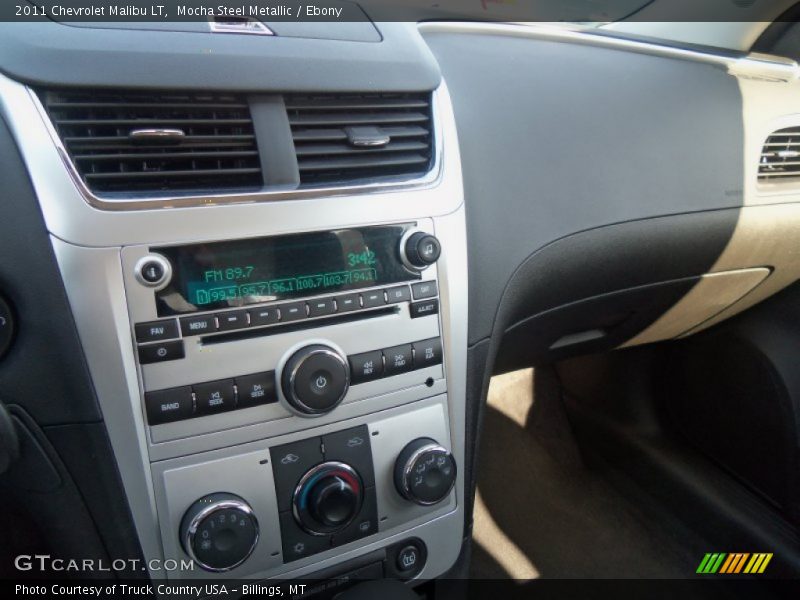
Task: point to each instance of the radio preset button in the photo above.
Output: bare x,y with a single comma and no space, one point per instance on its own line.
427,353
424,308
155,331
293,311
198,325
235,319
366,366
166,406
154,353
373,299
424,289
265,315
398,359
321,307
256,389
397,294
215,396
347,302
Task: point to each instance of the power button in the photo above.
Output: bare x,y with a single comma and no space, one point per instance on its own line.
315,379
6,326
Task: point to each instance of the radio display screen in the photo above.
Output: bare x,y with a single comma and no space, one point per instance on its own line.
242,272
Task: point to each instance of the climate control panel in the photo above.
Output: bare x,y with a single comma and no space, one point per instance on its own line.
265,507
325,488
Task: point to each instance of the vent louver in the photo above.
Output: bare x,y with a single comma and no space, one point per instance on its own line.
157,142
347,138
780,157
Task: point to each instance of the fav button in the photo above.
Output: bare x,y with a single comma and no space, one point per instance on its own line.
166,406
215,396
155,331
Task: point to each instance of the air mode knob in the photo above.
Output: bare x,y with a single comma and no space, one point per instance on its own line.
315,379
425,472
327,498
420,250
219,532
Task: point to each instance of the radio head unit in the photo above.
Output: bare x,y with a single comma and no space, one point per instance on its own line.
241,272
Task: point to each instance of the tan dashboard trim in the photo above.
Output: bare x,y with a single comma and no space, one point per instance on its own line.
713,293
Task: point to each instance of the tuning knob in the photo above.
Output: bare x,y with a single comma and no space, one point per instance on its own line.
315,380
425,472
327,498
420,250
219,532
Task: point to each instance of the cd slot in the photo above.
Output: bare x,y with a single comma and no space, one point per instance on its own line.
246,334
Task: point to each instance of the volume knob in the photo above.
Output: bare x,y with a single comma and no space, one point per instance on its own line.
315,379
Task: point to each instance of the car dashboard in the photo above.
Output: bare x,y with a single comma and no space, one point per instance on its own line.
281,269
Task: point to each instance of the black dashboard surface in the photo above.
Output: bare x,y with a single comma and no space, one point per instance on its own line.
559,138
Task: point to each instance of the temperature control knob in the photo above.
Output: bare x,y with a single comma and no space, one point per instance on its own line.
315,379
219,532
420,250
425,472
327,498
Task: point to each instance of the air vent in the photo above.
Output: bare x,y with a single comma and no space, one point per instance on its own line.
780,157
349,138
157,142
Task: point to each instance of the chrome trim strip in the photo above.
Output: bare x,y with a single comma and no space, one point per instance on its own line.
245,26
430,179
758,66
157,134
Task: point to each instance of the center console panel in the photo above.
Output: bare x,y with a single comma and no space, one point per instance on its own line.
279,335
282,376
